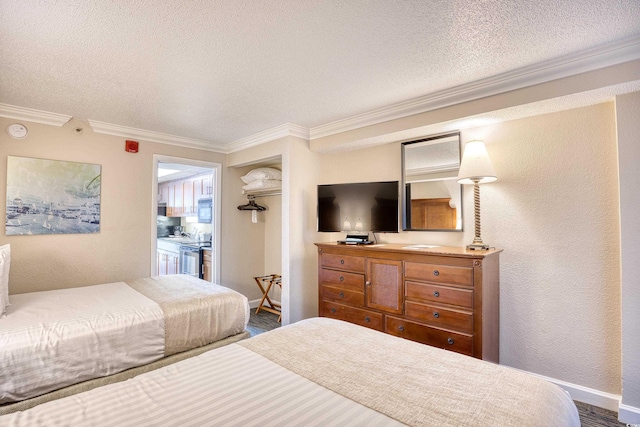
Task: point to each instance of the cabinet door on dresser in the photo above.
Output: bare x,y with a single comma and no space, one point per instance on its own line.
384,285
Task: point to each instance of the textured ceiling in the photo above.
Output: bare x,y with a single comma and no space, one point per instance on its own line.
221,71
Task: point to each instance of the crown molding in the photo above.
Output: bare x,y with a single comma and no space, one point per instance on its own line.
588,60
284,130
151,136
31,115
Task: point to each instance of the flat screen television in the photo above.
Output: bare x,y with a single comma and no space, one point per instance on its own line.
358,207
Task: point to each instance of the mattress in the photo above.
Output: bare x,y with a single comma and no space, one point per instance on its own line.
317,372
52,339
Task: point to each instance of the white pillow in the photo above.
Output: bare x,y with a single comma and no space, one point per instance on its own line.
261,173
5,260
262,184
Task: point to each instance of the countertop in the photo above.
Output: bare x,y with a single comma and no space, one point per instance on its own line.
179,240
173,243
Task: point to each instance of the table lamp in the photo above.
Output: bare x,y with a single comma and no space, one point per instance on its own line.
476,169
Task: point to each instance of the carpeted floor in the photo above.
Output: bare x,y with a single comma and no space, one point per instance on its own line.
262,322
590,416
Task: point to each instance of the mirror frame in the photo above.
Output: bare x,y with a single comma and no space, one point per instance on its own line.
406,197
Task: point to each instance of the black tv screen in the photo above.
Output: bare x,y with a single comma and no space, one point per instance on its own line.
359,207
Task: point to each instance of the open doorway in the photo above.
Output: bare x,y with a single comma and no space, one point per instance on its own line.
186,216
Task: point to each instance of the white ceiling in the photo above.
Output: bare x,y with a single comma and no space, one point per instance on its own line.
219,72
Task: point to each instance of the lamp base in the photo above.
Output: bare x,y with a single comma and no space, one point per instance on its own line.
478,247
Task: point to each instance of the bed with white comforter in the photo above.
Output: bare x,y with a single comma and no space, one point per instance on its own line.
317,372
53,339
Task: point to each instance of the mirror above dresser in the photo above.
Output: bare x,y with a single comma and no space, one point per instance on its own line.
432,197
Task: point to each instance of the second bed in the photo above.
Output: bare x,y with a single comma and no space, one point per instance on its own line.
75,339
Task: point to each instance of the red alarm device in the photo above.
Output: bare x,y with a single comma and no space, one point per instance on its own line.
131,146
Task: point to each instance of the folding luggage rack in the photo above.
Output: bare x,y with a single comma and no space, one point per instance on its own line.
266,283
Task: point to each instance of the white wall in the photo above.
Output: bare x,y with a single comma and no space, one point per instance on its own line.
628,114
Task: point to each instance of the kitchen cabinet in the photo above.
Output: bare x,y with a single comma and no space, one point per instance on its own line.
163,193
447,297
168,262
206,264
188,206
168,258
181,196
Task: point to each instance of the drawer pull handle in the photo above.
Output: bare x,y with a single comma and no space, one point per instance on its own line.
367,283
366,319
341,261
333,310
436,314
436,294
401,328
341,279
341,294
450,341
436,273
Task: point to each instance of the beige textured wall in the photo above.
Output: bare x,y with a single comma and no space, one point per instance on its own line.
554,212
249,249
122,249
272,238
300,171
628,112
242,241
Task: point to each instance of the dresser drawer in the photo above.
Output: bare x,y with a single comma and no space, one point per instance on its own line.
439,273
361,317
343,262
343,295
423,292
460,343
458,320
343,279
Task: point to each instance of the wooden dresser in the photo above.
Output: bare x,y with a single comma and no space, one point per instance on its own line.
447,297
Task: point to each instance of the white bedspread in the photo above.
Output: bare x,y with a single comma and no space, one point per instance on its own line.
229,386
56,338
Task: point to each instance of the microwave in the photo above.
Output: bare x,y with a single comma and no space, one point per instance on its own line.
205,211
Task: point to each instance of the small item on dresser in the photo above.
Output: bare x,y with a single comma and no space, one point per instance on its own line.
356,239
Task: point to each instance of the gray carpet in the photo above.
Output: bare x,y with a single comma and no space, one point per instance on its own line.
262,322
590,416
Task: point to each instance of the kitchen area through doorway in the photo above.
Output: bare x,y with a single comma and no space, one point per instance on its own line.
185,219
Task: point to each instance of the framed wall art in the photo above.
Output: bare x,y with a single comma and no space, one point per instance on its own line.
52,197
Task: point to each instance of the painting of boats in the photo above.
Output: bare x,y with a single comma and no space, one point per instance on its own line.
52,197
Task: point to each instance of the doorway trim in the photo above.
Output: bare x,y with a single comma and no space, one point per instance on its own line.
217,210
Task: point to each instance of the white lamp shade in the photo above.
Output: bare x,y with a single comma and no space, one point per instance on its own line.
476,164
